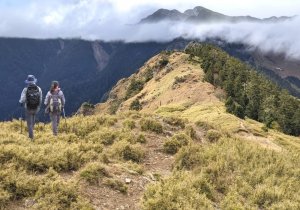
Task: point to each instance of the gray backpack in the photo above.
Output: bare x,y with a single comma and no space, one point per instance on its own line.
55,104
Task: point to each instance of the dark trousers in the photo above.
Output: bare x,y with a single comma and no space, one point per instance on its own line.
30,119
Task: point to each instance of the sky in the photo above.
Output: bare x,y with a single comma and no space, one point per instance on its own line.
115,20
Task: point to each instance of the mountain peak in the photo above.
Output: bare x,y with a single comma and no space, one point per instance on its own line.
196,11
163,14
202,14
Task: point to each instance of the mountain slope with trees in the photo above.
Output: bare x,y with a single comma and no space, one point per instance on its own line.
248,93
87,70
170,144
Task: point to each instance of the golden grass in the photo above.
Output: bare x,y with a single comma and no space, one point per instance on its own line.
221,162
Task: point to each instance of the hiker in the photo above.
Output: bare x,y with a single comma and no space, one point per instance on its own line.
55,102
31,98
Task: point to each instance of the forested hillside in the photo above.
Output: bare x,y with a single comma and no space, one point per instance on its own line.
248,93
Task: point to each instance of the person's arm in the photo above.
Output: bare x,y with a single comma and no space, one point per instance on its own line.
47,99
23,96
41,96
63,100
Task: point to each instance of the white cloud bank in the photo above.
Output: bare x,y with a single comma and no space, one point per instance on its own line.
108,20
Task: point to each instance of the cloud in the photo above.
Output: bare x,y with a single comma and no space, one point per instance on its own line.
115,20
279,37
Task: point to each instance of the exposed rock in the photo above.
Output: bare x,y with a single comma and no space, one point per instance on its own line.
128,181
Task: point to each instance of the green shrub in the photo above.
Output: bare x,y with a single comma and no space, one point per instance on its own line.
4,198
116,185
133,152
233,201
175,121
172,145
135,105
130,124
87,108
134,88
163,62
264,128
128,137
93,172
126,151
57,195
264,196
86,147
61,156
204,125
190,131
151,125
107,120
213,135
176,192
141,139
179,80
188,157
134,168
148,75
19,184
114,106
105,136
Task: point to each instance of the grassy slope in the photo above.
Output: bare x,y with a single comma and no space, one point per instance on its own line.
200,103
224,162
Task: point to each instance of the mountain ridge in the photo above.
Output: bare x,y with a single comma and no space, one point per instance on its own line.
201,14
186,152
96,66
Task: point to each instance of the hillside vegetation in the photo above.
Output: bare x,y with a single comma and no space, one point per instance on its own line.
163,140
248,93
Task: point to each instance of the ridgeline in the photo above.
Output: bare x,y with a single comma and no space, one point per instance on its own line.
163,140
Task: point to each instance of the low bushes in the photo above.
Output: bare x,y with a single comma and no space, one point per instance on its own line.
172,145
59,195
151,125
135,105
116,185
106,137
213,135
129,124
232,174
94,171
127,151
175,121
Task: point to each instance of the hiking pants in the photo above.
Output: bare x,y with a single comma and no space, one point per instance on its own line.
30,119
55,117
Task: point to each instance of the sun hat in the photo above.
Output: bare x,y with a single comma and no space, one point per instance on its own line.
30,79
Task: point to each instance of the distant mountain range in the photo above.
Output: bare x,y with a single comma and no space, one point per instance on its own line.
201,14
86,70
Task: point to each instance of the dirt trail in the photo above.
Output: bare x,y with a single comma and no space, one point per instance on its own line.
156,165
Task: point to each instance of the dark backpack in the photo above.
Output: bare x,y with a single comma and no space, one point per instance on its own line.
32,97
55,103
